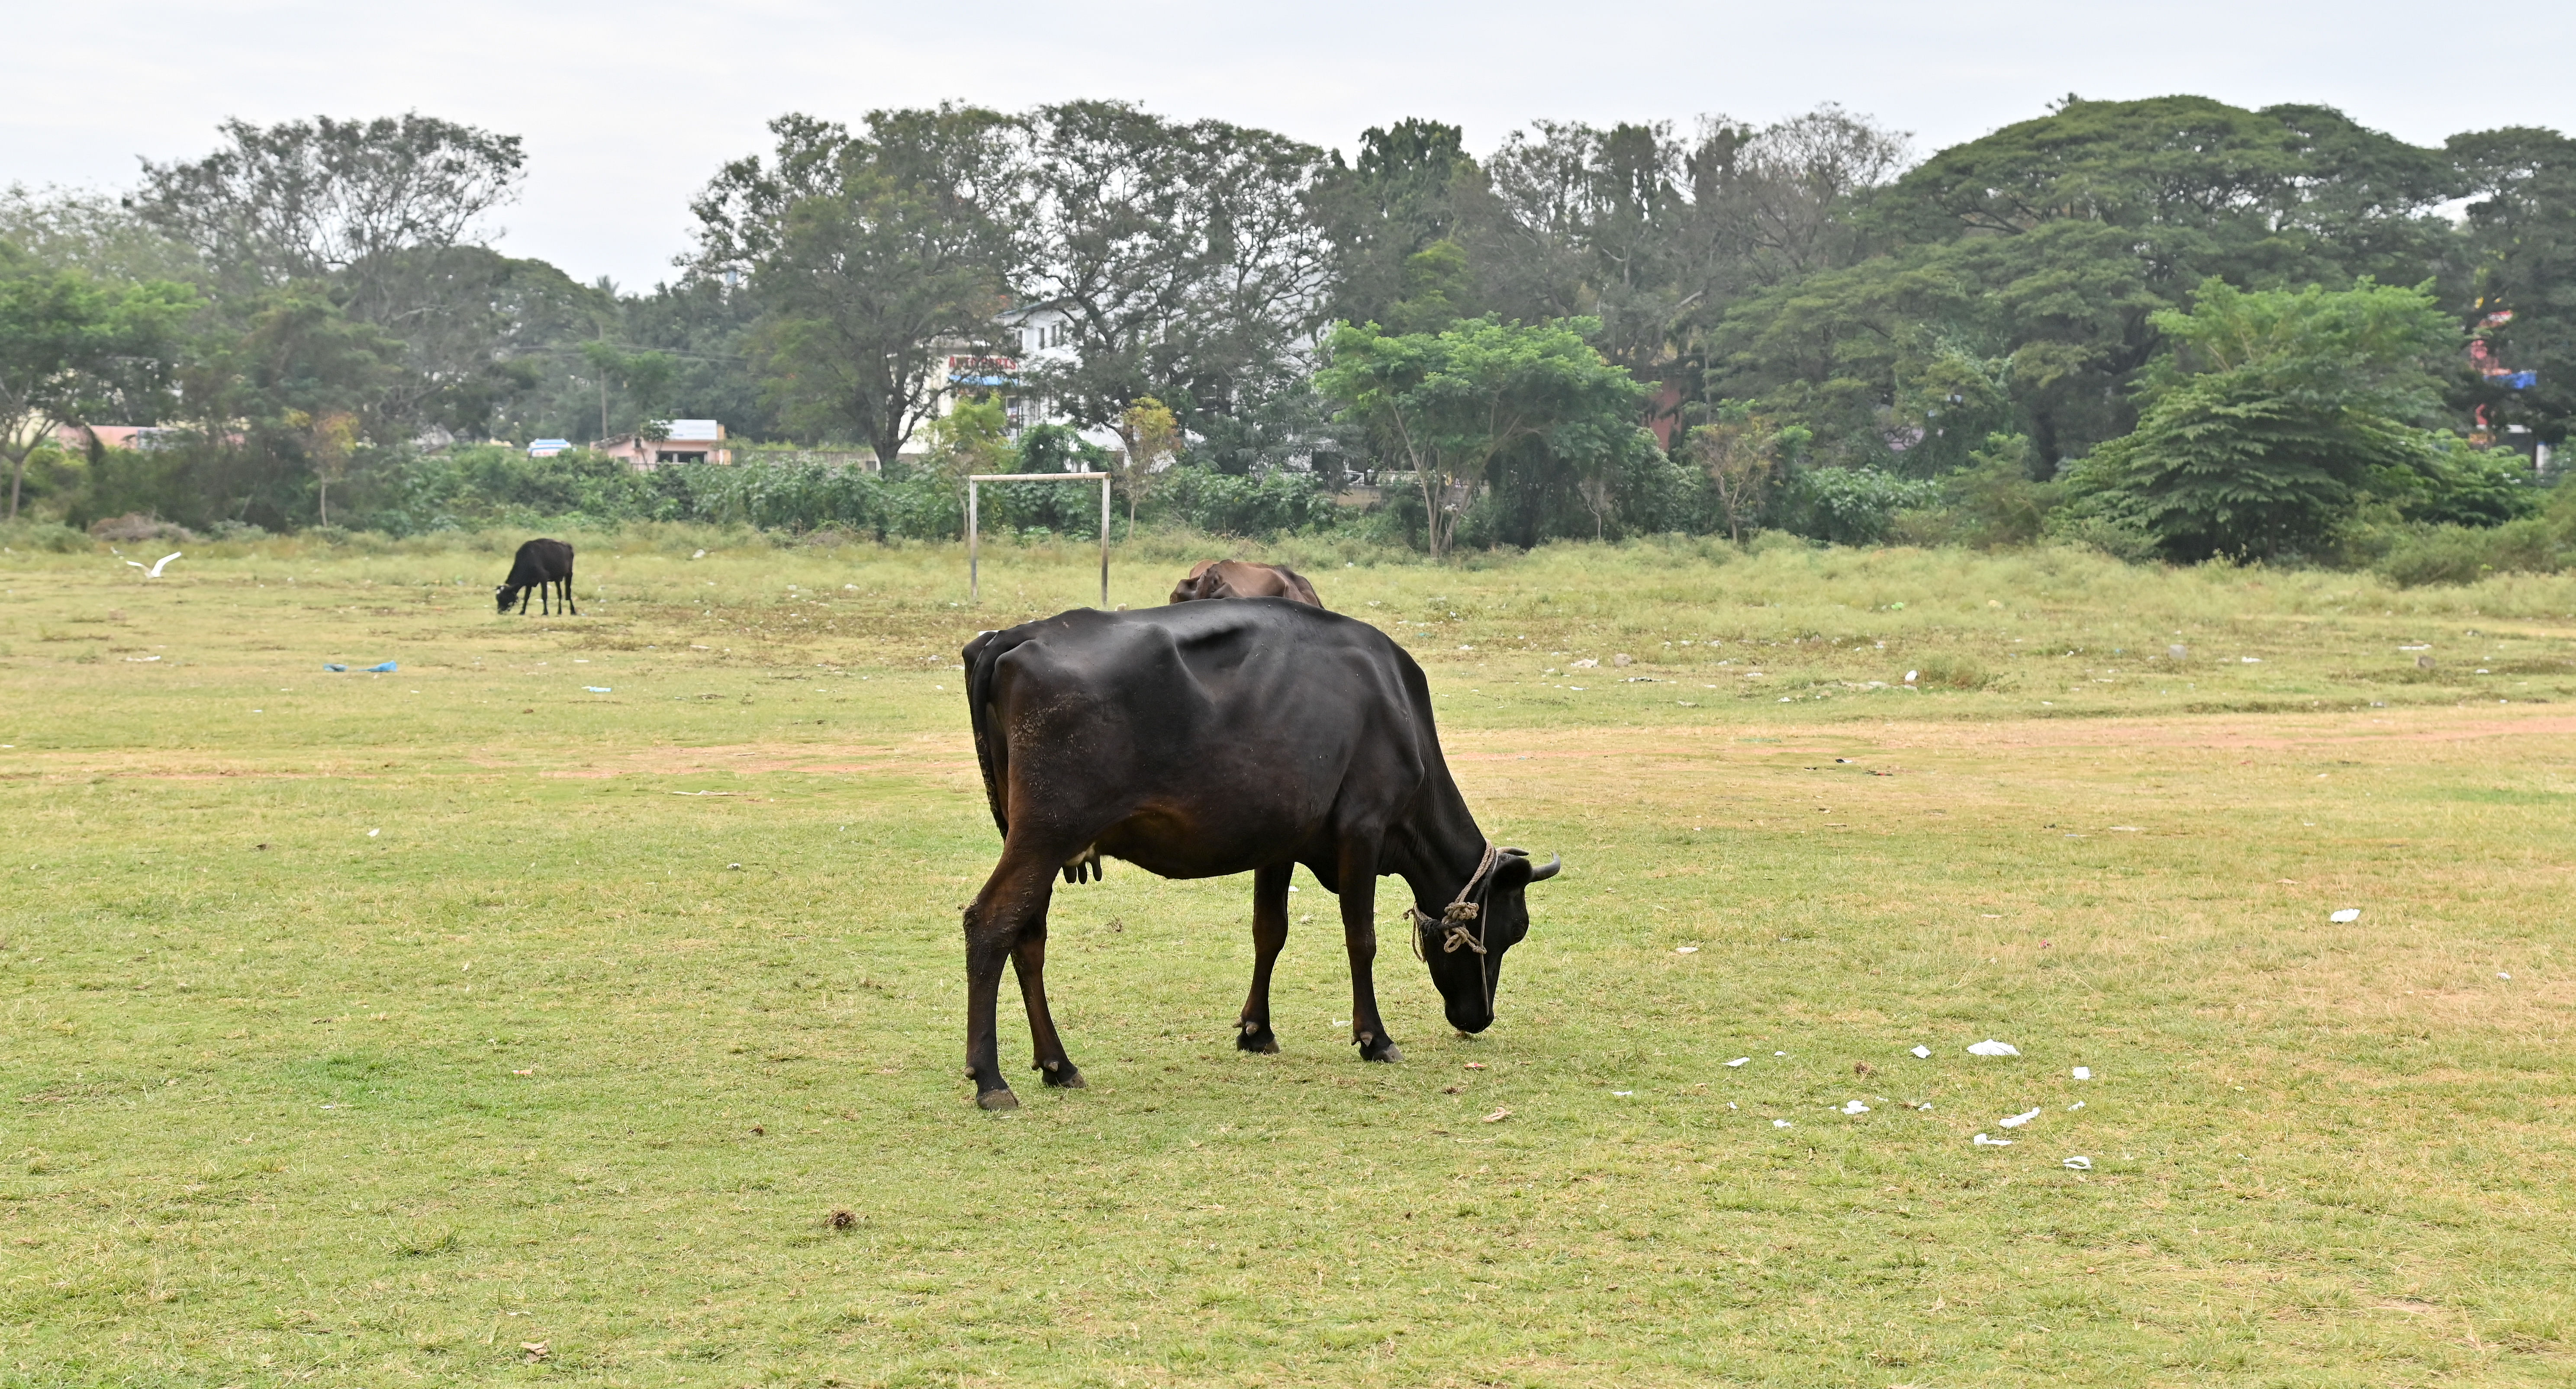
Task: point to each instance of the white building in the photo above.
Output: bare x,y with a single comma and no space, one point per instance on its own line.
1043,338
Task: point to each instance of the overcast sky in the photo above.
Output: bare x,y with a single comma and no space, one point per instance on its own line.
628,107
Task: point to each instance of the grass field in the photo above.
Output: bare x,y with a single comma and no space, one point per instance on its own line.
462,1024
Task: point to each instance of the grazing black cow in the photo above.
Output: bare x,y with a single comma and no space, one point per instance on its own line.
540,566
1210,738
1235,578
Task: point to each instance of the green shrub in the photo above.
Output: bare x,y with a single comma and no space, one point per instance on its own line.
1854,506
48,536
1950,671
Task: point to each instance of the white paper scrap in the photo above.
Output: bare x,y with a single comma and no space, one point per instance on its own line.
1984,1142
2083,1073
2347,914
1924,1052
1991,1047
2080,1164
2014,1121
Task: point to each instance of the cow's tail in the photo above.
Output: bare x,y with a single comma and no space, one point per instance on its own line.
982,657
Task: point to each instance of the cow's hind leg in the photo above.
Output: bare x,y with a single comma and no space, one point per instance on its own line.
568,607
1357,870
1269,934
1028,961
1014,897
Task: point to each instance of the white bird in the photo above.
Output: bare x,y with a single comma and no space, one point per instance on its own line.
155,571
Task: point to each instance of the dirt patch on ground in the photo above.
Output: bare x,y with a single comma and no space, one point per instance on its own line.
2216,732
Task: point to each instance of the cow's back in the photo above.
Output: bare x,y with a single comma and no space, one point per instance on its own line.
1089,709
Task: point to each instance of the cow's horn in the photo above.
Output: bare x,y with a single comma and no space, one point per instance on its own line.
1548,869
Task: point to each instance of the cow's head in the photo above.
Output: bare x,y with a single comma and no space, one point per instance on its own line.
507,595
1466,957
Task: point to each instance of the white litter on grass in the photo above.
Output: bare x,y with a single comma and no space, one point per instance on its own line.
2500,974
1909,677
2080,1164
2014,1121
1855,1107
2079,1104
1991,1047
2083,1073
1779,1123
1984,1142
1739,1061
596,689
2251,660
1779,1053
373,833
2347,914
1623,1092
1685,949
1923,1052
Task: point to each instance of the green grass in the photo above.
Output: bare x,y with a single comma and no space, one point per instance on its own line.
534,1062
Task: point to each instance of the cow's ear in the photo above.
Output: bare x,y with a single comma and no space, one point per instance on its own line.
1512,871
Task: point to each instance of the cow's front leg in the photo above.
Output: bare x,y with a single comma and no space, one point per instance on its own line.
1358,873
1269,933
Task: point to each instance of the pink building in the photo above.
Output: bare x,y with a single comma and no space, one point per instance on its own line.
690,441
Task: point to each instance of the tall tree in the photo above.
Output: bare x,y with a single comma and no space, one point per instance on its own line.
874,256
2274,414
1390,205
2517,281
74,351
1447,407
1182,257
1655,233
390,216
303,200
2023,271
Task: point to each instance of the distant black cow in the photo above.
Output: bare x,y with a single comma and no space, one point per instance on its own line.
539,567
1235,578
1204,739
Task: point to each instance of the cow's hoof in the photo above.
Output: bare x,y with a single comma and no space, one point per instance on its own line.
997,1099
1063,1075
1376,1048
1261,1040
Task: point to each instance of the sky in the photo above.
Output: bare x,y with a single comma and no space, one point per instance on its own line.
628,107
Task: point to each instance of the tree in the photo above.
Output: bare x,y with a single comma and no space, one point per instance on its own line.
1446,406
874,256
304,200
389,214
2275,414
1182,257
644,378
1152,437
975,437
2517,280
73,351
328,442
2019,275
1740,452
1655,232
1387,208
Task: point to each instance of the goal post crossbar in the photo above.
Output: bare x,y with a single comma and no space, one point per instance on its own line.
974,572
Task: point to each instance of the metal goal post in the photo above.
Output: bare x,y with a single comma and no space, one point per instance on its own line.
974,577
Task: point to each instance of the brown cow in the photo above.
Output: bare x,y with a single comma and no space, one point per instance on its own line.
1234,578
